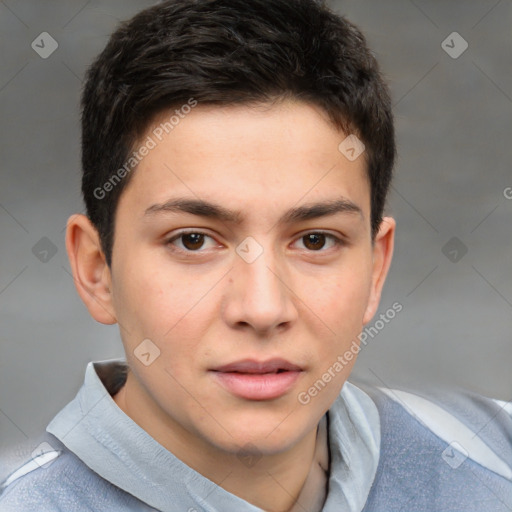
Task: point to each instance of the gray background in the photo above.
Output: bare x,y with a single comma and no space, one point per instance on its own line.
453,118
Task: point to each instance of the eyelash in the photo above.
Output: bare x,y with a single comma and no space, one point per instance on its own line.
338,242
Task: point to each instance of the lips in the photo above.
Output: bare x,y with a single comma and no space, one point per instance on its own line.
250,366
258,380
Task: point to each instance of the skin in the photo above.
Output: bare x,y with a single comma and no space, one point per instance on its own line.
302,301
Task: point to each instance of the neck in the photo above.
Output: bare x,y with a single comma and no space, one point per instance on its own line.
271,482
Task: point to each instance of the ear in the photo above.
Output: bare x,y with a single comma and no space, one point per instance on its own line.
382,255
90,270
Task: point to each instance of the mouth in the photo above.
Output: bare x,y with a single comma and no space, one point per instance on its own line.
255,380
256,367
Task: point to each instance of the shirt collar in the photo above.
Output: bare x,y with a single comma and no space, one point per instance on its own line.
99,433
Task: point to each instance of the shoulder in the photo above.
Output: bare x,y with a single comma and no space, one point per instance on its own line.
55,480
448,450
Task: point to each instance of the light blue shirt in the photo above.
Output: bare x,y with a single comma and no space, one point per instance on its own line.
104,452
395,451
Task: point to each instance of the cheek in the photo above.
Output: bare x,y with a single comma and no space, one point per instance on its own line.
173,311
157,298
344,297
341,305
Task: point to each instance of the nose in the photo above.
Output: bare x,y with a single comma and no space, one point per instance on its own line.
260,295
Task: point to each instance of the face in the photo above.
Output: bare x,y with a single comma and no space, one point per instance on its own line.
243,252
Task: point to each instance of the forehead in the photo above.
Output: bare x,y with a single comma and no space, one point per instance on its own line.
280,154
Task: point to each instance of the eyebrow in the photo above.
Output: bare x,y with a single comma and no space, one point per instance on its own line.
211,210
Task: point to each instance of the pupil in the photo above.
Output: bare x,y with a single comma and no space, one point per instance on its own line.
314,241
193,240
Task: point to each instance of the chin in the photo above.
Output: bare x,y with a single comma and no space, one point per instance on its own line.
263,437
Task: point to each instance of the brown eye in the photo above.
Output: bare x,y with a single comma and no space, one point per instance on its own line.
194,244
192,241
314,241
318,241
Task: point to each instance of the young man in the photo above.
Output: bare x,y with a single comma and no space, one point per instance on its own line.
236,159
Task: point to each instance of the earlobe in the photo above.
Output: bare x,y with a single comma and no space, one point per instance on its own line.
382,256
89,268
